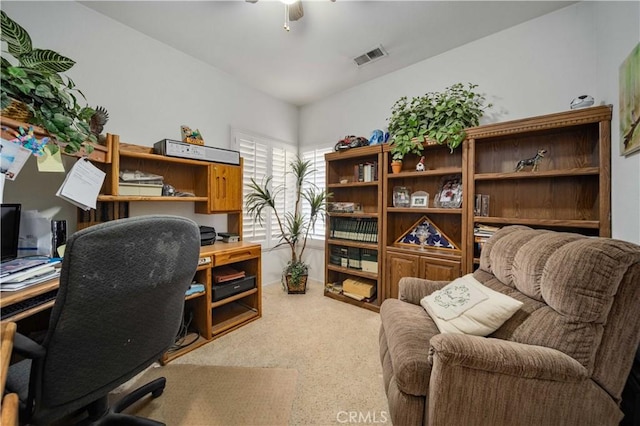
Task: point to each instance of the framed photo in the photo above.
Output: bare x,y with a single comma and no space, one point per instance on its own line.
401,196
450,193
420,199
630,103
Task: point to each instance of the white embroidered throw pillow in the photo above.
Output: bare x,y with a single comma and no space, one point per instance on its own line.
466,306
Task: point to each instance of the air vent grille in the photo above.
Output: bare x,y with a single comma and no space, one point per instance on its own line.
370,56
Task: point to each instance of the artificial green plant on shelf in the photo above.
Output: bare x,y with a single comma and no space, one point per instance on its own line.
459,106
34,83
294,226
408,124
440,117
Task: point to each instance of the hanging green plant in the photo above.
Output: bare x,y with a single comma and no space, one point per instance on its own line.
34,81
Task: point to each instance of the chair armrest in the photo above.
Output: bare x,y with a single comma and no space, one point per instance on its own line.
411,289
505,357
27,347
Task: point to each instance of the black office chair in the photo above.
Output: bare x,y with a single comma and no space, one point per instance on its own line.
118,309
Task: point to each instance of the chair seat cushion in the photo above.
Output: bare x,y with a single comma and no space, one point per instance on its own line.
408,330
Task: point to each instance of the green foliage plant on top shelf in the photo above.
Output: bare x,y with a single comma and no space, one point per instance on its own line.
459,106
294,226
35,81
441,117
409,123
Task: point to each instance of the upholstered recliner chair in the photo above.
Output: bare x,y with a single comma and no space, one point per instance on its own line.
561,359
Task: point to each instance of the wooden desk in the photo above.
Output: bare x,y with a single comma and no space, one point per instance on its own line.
210,319
12,297
9,415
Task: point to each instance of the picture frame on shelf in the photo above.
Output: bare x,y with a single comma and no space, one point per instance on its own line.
401,196
420,199
450,193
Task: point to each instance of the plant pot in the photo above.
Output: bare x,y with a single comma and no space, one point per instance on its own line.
299,288
18,111
396,166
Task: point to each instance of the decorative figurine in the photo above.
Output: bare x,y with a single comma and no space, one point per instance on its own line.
191,136
533,161
420,166
97,122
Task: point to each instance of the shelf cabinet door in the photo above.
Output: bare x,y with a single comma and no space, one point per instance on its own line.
225,188
436,269
399,265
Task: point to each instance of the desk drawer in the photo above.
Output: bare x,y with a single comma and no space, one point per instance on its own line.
237,255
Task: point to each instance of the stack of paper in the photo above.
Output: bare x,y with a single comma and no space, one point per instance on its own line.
27,276
82,185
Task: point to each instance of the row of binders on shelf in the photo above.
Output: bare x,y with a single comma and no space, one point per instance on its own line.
21,273
365,260
356,229
365,172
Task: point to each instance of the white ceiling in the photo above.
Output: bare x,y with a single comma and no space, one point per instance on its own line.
315,59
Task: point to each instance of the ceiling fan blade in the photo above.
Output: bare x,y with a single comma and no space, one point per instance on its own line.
295,11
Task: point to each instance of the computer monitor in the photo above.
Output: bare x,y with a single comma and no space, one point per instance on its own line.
10,230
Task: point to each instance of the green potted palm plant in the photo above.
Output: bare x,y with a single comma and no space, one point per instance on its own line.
294,227
34,87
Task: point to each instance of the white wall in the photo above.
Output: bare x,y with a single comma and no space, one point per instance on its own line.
151,89
148,88
618,32
534,68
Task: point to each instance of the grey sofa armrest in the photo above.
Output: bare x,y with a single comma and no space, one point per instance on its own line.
505,357
411,289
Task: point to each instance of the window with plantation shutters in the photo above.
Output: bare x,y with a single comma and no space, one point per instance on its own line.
318,179
265,157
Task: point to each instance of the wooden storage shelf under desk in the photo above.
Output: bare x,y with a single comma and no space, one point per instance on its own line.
213,319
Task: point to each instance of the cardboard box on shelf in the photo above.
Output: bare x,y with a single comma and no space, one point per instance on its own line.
359,286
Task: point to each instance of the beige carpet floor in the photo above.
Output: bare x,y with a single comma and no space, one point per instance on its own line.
220,396
332,345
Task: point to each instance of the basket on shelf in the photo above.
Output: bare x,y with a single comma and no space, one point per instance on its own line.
17,110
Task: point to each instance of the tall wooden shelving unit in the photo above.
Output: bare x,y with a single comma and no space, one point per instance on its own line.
570,191
345,188
402,261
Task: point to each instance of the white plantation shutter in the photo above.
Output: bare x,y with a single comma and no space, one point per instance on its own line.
255,166
318,178
264,157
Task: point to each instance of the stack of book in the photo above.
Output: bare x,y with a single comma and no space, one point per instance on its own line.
225,273
24,272
366,172
481,234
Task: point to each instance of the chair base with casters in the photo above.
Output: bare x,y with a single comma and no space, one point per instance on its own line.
100,414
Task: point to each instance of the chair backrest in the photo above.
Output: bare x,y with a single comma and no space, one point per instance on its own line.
581,296
120,304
